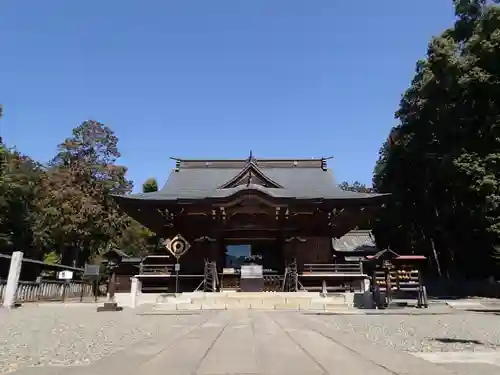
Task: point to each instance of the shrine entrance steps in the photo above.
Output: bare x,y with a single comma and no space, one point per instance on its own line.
296,301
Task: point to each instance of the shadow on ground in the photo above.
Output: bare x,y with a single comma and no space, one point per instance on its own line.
447,340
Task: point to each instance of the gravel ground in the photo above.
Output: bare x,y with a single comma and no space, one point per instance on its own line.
55,335
38,336
440,332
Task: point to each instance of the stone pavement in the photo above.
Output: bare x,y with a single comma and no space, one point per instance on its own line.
247,342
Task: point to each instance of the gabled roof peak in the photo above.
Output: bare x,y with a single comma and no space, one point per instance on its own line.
251,175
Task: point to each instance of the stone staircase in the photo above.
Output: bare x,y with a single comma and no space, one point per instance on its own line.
294,301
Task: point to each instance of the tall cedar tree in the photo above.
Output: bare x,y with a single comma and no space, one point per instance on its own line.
442,162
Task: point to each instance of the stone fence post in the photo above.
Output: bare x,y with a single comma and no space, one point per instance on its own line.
135,290
16,262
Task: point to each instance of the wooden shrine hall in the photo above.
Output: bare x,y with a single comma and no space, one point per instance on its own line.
232,219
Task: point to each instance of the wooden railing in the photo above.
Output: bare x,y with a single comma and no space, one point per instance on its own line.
156,265
157,269
28,291
333,268
273,283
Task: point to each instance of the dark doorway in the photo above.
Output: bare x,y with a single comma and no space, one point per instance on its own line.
236,254
268,252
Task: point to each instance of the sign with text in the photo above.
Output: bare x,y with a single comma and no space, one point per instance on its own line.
65,275
91,270
253,271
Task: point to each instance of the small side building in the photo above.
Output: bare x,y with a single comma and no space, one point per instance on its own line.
355,246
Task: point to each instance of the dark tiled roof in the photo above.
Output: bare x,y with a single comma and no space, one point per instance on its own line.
118,252
354,241
300,178
132,260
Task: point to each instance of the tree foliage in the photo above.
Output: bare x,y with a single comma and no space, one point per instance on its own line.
150,186
441,165
63,211
356,187
19,185
442,161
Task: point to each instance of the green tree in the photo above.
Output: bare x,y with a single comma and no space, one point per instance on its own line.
19,185
150,186
3,154
64,211
80,217
356,186
441,163
136,240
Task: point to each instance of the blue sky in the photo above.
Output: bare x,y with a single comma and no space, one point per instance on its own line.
213,78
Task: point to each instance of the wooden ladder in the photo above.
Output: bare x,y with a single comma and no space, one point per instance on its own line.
210,277
210,280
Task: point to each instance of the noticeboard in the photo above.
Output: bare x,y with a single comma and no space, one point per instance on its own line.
253,271
91,271
65,275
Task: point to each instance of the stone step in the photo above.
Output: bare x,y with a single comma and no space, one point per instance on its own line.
249,295
255,301
249,306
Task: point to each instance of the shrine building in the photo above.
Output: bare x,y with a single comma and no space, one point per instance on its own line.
286,215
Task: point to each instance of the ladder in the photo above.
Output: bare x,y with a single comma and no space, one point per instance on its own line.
210,280
210,277
291,280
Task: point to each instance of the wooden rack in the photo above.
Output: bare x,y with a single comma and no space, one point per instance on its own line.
393,275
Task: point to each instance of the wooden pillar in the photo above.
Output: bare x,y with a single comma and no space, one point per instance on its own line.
288,251
388,285
212,251
220,252
209,247
217,253
217,249
280,243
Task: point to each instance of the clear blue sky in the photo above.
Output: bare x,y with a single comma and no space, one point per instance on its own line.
213,78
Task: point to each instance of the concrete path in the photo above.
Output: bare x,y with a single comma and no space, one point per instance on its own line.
254,342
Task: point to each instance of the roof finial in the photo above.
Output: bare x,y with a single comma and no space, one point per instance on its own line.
250,156
323,163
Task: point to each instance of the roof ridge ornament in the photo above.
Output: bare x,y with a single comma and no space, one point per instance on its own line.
250,157
324,165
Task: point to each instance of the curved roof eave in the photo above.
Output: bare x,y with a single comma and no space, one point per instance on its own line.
231,193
